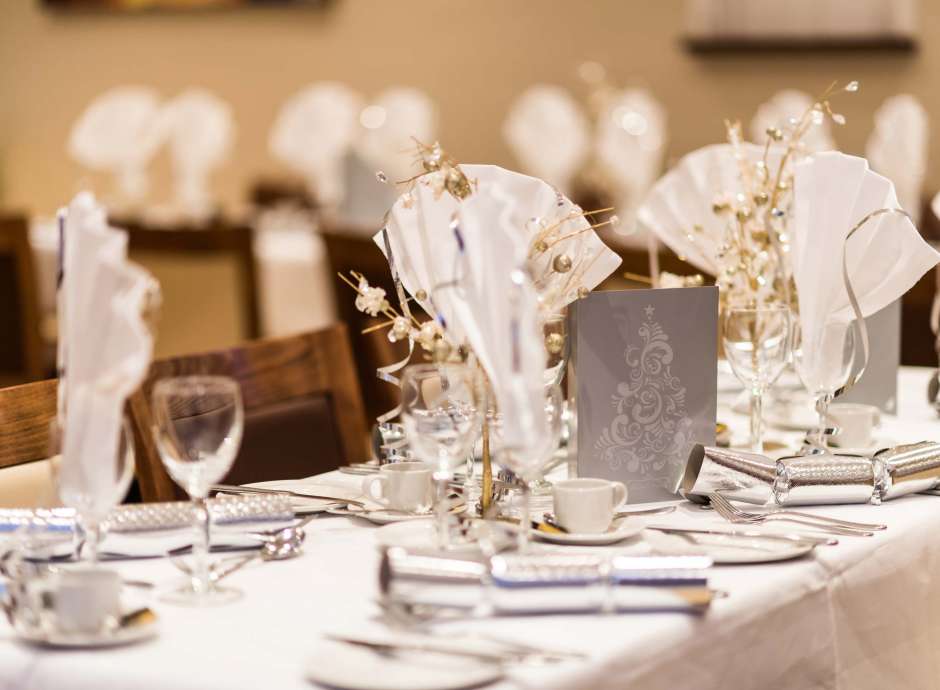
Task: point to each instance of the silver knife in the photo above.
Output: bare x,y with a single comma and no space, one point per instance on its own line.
789,537
234,489
489,657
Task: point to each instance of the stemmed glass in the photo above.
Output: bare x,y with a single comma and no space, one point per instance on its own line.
757,345
555,334
93,495
824,367
440,412
198,422
527,461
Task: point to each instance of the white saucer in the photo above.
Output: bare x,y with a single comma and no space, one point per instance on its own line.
876,445
727,550
621,529
421,536
340,665
307,506
112,638
379,517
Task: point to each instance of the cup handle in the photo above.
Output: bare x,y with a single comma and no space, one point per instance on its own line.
620,494
367,489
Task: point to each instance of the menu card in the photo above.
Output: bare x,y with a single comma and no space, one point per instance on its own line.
645,364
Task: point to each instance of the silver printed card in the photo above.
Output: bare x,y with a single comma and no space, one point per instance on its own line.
646,375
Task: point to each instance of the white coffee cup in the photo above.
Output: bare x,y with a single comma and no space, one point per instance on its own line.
404,486
86,599
855,423
586,506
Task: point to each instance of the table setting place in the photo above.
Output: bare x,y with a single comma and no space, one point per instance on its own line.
579,488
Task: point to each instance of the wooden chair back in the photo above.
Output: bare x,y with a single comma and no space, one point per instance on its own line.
303,409
21,351
349,251
208,279
26,413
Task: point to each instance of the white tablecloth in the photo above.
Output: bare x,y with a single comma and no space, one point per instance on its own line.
863,614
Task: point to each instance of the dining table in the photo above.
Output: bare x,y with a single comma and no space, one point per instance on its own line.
864,613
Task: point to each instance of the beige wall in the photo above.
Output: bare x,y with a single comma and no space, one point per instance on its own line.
473,56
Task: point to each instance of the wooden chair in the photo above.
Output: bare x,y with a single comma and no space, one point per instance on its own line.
26,413
21,351
349,250
303,409
208,280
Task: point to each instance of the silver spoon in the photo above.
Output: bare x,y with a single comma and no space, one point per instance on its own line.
287,543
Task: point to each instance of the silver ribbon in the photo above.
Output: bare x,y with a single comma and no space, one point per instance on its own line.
860,328
388,372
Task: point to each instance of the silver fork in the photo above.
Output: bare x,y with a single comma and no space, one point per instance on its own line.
865,526
733,514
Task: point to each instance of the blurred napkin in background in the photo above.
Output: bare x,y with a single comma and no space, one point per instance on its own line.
106,344
200,129
120,132
785,109
884,258
548,133
897,148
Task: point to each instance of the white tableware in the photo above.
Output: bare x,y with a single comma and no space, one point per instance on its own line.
727,550
618,531
584,505
86,600
420,536
403,486
855,423
134,627
339,665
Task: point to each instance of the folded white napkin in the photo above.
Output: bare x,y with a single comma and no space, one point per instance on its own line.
548,133
897,148
630,144
107,347
119,132
389,127
314,130
885,258
678,209
200,128
783,110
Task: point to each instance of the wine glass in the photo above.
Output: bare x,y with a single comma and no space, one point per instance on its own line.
526,458
441,416
757,343
92,494
555,335
824,366
198,422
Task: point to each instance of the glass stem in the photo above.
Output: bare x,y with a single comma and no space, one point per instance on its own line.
442,512
201,581
525,517
92,540
757,404
822,409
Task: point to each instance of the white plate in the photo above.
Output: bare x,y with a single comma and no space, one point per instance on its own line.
116,638
303,506
379,517
727,550
421,536
877,444
340,665
624,528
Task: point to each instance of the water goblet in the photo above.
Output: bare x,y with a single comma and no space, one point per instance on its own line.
824,367
757,343
440,412
527,459
198,423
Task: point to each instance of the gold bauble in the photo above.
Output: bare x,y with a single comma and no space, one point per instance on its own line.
554,343
562,263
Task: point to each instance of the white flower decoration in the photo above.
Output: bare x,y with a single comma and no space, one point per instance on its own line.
371,300
429,332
